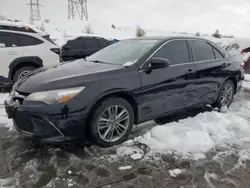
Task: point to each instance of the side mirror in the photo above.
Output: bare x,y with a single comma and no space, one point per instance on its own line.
159,63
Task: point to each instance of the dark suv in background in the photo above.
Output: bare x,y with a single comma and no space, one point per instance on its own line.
82,47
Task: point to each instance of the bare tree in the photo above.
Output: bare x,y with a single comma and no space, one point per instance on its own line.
2,17
140,32
217,34
88,29
197,34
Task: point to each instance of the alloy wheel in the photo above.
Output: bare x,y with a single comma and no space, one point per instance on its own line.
113,123
23,74
226,95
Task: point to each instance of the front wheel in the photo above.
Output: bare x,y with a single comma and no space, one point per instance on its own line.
112,122
226,94
22,72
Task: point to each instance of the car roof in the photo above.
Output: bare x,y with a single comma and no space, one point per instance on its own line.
20,27
166,38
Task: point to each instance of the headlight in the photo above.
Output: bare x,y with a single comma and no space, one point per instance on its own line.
54,96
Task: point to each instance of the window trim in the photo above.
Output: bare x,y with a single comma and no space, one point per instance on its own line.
225,55
171,40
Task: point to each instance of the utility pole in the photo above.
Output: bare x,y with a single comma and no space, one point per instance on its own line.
34,11
78,7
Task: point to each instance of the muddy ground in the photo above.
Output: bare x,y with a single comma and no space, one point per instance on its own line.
28,164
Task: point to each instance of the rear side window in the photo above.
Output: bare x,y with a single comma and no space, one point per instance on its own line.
74,44
91,44
175,51
103,43
202,51
25,40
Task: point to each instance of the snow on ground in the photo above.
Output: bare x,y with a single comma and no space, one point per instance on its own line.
3,117
246,83
191,138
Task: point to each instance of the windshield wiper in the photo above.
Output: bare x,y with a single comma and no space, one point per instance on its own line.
97,61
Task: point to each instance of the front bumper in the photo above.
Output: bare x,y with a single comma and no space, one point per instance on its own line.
46,128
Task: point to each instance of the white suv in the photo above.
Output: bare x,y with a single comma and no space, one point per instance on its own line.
23,49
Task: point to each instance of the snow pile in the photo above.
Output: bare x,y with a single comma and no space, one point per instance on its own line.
246,83
193,137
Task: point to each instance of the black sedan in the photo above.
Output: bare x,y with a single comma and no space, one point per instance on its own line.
127,83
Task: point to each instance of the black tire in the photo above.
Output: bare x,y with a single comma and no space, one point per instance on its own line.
18,72
218,101
97,115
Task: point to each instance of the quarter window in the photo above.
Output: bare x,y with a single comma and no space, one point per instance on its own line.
202,50
175,51
217,54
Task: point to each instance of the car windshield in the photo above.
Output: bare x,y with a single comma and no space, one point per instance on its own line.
125,52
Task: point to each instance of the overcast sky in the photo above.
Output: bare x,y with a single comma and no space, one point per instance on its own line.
205,16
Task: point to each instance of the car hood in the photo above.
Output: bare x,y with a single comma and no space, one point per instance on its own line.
65,75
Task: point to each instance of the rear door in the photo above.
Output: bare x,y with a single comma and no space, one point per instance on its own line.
172,88
10,49
91,45
73,50
210,64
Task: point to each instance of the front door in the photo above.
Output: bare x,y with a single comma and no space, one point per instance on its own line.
171,88
9,51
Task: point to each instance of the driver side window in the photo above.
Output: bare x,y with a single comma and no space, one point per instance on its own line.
175,51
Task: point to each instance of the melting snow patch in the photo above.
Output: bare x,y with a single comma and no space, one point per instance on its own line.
136,156
223,109
174,173
69,172
125,168
132,151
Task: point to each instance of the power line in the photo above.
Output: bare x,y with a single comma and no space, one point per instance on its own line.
77,7
34,10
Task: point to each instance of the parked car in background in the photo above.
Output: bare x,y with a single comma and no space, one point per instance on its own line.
82,47
23,49
129,82
240,47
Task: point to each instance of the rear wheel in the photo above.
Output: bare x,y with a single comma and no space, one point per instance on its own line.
22,72
226,94
112,122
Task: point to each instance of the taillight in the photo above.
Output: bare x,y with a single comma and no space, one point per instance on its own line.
56,50
248,61
244,51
